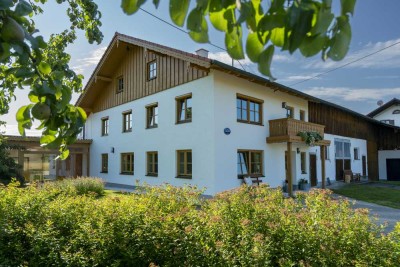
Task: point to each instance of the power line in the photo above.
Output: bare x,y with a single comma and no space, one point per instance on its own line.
344,65
182,30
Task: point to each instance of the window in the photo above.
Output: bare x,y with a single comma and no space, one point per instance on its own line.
356,153
391,122
290,112
396,111
152,163
184,159
127,121
327,157
302,115
126,163
152,116
104,163
249,163
184,109
104,126
152,70
120,84
303,159
248,110
342,149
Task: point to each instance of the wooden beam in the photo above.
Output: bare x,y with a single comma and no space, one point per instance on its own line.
289,168
103,78
323,174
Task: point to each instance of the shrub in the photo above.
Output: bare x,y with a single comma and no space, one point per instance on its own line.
169,226
78,186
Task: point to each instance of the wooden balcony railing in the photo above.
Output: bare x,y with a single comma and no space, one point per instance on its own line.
286,130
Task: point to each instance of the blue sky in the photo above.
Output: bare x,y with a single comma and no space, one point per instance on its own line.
358,86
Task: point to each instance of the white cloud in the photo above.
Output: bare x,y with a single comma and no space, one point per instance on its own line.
84,64
388,58
12,129
296,78
353,94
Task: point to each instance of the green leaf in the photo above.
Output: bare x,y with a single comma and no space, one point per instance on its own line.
6,4
264,63
202,36
82,113
246,11
233,43
218,20
253,47
348,6
195,21
324,20
44,68
277,36
23,8
64,154
312,45
23,113
300,25
46,139
340,43
33,97
178,10
131,6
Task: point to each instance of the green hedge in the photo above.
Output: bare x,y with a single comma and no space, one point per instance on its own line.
168,226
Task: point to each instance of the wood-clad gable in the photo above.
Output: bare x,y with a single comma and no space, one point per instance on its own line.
132,67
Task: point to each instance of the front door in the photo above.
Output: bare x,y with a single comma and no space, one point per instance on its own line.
364,166
78,165
313,169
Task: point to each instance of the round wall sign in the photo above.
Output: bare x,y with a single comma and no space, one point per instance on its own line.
227,131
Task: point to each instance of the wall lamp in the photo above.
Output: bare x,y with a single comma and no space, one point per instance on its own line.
112,149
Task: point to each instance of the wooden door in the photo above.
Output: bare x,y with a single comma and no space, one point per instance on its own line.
313,169
78,165
364,165
393,169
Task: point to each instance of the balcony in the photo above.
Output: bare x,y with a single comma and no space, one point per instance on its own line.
286,130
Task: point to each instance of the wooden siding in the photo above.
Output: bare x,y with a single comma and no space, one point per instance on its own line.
171,72
340,122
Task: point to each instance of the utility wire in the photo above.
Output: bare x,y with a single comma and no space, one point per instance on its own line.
344,65
182,30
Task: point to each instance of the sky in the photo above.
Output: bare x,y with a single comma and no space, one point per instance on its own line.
357,86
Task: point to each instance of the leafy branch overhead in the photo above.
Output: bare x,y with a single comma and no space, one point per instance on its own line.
26,60
253,27
309,26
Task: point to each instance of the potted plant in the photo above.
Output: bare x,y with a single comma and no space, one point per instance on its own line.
310,138
303,184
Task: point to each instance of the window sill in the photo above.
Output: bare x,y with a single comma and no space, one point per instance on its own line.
127,131
183,177
183,122
151,175
126,173
152,127
252,123
251,176
104,172
150,79
104,135
119,91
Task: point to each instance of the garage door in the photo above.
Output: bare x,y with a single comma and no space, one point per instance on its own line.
393,169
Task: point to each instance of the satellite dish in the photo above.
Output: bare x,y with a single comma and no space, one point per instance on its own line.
379,103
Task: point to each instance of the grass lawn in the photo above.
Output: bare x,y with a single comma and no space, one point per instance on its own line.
379,195
388,182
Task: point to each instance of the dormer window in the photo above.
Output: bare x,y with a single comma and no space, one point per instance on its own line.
152,70
120,84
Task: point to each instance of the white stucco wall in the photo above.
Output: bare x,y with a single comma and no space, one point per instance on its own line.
382,156
166,138
388,115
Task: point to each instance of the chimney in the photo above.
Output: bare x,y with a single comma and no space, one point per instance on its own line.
202,52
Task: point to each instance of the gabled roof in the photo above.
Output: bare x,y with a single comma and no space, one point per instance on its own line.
385,106
112,55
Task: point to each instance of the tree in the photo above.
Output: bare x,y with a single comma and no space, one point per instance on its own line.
27,60
8,167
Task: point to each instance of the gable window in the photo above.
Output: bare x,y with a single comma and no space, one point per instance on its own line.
104,126
152,163
303,163
356,153
302,115
120,84
248,110
184,160
396,111
126,163
391,122
152,70
104,163
249,163
127,121
184,109
152,116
